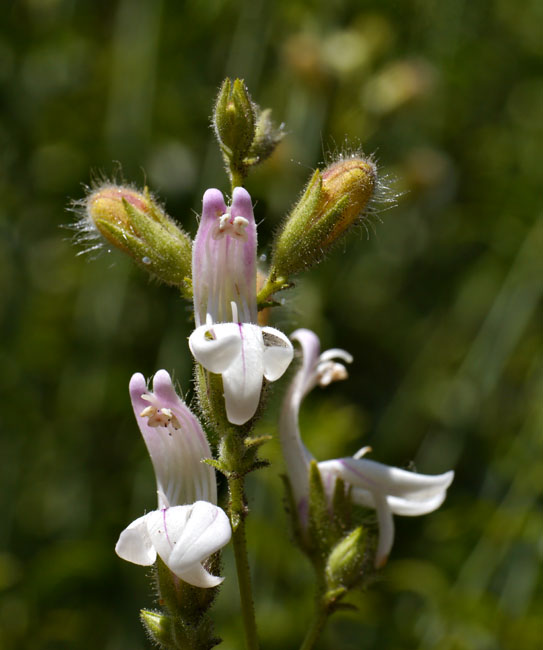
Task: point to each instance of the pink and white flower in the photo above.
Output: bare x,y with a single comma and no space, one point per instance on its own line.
188,526
227,339
386,489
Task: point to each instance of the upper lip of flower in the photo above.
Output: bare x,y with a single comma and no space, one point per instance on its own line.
387,489
175,440
224,258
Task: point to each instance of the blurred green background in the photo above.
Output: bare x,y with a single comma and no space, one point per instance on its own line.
438,301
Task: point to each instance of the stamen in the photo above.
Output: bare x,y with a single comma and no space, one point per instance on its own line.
231,226
148,411
362,452
329,371
210,334
234,312
162,418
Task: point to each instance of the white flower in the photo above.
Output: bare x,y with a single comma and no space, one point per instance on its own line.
388,490
188,526
227,339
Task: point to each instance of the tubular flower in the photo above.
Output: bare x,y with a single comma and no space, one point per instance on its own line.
388,490
188,526
227,340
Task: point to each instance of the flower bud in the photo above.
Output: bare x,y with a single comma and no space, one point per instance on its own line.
333,201
159,627
346,560
234,120
246,134
133,222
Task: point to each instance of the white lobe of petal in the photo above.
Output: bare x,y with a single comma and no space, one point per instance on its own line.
386,531
278,353
414,508
185,536
392,480
197,576
242,381
135,545
216,348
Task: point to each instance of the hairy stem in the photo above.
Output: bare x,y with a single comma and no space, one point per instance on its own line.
237,518
317,625
236,177
271,286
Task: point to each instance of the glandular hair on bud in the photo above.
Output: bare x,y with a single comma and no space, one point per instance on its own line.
334,200
105,208
137,225
355,178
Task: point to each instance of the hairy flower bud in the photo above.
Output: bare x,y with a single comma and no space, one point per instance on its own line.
133,222
234,120
346,560
246,134
159,627
333,201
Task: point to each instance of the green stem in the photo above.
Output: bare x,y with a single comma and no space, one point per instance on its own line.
236,177
317,624
271,286
237,518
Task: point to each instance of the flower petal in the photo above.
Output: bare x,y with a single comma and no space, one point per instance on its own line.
203,251
369,478
175,440
197,576
224,259
392,480
135,544
412,508
216,347
185,536
386,531
242,381
305,378
278,353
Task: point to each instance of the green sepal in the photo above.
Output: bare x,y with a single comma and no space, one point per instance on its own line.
300,244
168,248
181,599
185,623
333,595
210,393
256,441
342,507
216,464
267,137
159,628
292,511
320,526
